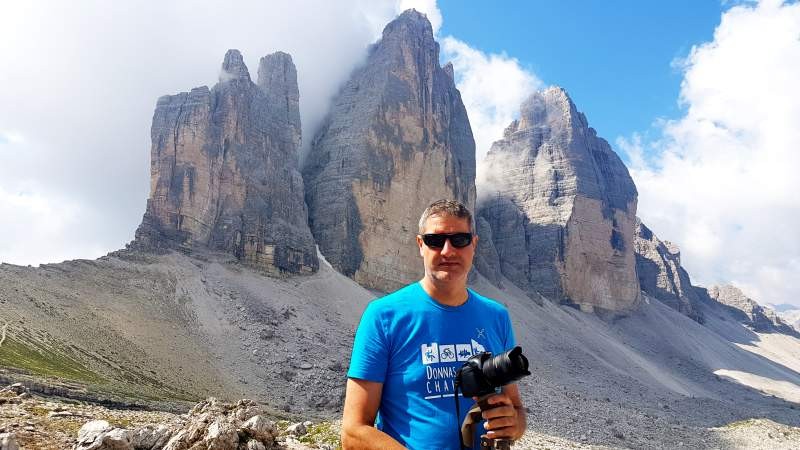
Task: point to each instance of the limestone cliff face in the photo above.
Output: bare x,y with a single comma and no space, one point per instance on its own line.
562,207
396,139
224,171
748,311
658,265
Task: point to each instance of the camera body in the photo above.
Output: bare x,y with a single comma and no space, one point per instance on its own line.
482,374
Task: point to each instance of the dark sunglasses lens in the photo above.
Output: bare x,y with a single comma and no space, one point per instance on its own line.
461,239
458,240
434,240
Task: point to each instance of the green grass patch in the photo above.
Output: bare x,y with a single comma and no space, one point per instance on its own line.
38,411
39,360
121,422
322,433
70,427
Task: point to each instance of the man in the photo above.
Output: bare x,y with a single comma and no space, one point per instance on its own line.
410,343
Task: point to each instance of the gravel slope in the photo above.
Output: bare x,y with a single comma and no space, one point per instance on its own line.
170,329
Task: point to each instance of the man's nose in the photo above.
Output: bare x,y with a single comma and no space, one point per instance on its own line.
448,248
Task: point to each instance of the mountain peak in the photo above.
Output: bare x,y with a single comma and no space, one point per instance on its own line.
233,67
412,15
411,24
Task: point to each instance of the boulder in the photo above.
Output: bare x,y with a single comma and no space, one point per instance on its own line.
8,441
259,428
100,435
221,435
151,437
297,429
215,425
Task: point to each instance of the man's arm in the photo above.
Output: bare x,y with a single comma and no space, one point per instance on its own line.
507,420
361,402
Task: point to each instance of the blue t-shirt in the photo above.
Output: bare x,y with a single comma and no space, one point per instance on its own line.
414,346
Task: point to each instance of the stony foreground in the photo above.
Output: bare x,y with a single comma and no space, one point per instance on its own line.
31,422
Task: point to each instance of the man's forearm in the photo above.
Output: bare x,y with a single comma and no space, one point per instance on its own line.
364,437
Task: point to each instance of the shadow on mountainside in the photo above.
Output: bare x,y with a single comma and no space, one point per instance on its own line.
698,354
641,381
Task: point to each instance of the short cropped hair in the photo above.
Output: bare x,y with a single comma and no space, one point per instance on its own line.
446,207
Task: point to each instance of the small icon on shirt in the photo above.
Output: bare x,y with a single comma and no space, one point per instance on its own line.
476,347
463,351
447,353
430,354
481,333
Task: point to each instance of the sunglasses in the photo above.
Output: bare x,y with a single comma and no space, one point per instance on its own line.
457,240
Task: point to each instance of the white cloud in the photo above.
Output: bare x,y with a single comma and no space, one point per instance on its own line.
492,87
29,217
80,81
11,137
722,181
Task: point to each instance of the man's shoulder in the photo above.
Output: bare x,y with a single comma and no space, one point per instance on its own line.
396,299
488,303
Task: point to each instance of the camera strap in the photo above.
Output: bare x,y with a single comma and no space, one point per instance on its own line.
457,386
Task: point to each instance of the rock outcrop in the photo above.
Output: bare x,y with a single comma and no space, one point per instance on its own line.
562,207
748,311
8,441
224,169
211,424
396,139
658,265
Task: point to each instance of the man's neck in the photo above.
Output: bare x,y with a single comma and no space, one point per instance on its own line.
448,294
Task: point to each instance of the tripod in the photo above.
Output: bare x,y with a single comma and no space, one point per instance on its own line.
472,419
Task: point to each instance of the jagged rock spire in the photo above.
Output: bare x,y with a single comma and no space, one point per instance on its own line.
224,170
233,67
277,78
397,138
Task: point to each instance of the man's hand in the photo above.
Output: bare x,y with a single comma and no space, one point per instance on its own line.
507,417
361,402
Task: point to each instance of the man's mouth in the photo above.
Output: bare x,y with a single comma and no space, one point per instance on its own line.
449,264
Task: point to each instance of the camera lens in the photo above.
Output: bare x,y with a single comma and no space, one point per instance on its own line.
506,367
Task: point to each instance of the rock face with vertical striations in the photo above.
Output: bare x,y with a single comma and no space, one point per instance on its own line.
562,207
396,139
658,265
748,311
224,170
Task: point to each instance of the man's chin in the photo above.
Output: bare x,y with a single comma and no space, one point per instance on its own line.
448,275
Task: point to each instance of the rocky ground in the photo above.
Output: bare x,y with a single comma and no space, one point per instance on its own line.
197,327
39,423
33,422
172,329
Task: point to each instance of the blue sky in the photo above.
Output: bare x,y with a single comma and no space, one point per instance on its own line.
615,58
699,98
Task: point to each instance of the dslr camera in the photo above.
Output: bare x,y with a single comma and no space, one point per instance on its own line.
481,376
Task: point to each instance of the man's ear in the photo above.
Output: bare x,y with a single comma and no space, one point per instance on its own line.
475,240
420,244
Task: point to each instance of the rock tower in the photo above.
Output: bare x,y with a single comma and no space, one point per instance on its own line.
562,207
396,139
224,169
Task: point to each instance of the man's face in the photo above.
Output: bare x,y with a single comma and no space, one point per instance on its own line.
447,264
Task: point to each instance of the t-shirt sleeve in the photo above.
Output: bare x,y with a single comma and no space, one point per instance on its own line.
370,348
511,341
